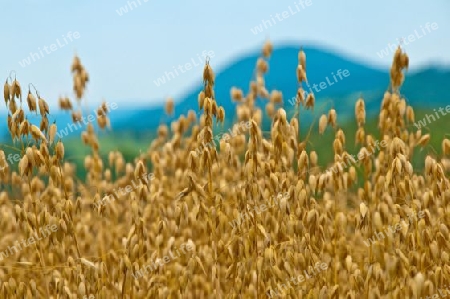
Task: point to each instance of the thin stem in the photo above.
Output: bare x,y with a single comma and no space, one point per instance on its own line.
35,89
11,147
10,73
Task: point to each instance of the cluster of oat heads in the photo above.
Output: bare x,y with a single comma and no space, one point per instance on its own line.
309,100
169,106
326,216
40,185
18,125
401,61
80,77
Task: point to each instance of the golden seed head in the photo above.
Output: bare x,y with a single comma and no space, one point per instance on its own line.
310,100
332,116
423,141
301,73
267,49
236,94
37,134
17,90
208,74
262,66
276,97
60,150
52,133
43,106
322,124
302,59
169,106
6,92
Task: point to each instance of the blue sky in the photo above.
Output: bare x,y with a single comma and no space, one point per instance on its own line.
126,54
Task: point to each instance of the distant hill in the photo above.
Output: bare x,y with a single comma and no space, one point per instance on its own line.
421,88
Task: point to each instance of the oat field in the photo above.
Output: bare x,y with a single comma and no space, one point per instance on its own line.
248,215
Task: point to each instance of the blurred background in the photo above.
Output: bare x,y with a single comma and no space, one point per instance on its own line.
140,53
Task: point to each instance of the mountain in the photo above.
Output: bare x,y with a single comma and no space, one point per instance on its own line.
420,88
331,90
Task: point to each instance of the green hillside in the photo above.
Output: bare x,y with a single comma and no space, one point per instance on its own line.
131,146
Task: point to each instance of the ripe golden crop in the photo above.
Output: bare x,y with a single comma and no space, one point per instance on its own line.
318,231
